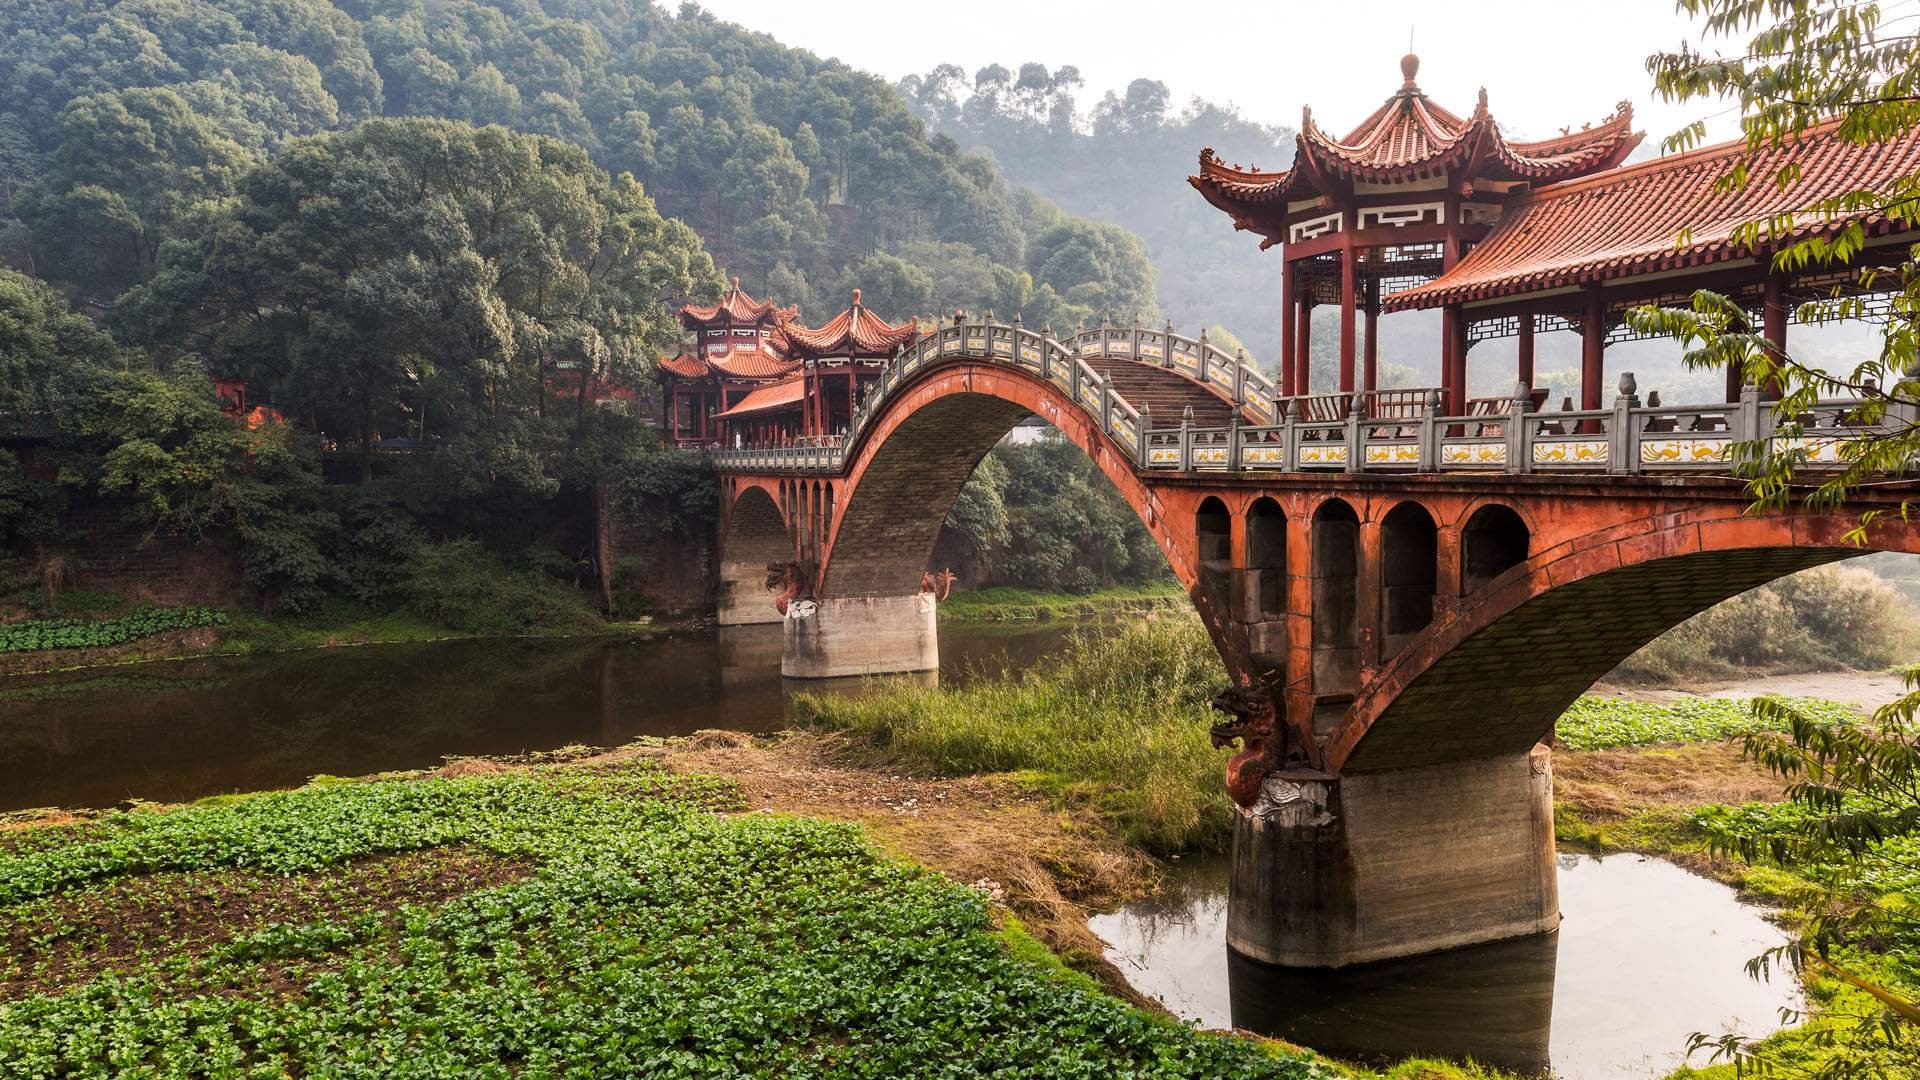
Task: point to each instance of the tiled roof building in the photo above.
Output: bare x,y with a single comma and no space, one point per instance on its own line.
1419,207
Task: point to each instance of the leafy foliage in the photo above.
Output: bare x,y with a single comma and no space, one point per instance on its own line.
30,635
1041,514
655,938
1596,722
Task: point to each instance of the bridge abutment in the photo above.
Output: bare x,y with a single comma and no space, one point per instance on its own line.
743,598
1334,871
861,635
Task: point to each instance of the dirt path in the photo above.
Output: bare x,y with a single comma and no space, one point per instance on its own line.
1865,689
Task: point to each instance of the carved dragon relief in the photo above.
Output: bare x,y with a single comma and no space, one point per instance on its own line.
791,584
940,584
1266,744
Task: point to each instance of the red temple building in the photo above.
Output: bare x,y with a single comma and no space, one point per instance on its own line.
1419,208
756,376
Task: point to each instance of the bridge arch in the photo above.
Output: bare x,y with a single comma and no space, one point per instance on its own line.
1575,611
754,532
916,454
1494,539
1409,574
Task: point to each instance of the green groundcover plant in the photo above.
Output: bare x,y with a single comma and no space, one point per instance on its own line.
32,635
645,935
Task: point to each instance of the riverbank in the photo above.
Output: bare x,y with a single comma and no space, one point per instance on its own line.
1007,603
609,913
252,634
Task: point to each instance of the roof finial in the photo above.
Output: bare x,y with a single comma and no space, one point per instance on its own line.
856,298
736,283
1409,64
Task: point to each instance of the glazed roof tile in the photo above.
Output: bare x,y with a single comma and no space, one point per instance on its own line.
770,398
737,307
686,366
1630,220
752,364
854,332
1410,137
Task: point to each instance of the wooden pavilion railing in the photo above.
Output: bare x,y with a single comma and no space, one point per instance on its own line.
1381,431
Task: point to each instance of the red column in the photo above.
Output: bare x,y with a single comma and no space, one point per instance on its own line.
1593,348
1349,300
673,414
1773,326
1450,392
1371,362
1525,350
1288,301
1303,348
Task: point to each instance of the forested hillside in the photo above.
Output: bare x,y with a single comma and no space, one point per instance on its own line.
408,225
120,118
1125,161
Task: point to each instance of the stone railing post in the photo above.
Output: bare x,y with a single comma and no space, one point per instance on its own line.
1240,377
1430,433
1166,345
1290,434
1233,441
1186,439
1356,439
1140,428
1106,407
1073,381
1136,337
1517,427
1201,356
1623,449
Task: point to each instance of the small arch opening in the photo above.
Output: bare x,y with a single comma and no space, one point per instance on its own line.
1213,527
1409,574
1495,540
1336,594
1266,561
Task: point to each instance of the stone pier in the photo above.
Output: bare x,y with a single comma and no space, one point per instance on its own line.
860,635
743,598
1333,871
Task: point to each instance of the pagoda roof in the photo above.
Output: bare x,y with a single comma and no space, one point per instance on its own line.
687,365
752,364
737,308
773,397
1632,220
1408,138
855,332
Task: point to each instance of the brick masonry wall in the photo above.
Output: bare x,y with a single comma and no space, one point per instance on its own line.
112,557
678,573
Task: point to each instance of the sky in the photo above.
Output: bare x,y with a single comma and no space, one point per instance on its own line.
1546,64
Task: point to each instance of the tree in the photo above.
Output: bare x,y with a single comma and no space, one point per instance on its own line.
1855,807
418,268
131,170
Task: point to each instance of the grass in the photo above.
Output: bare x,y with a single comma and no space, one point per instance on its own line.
596,920
1604,723
1010,603
1118,721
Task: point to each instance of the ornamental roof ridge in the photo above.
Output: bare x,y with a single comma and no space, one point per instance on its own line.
855,331
738,307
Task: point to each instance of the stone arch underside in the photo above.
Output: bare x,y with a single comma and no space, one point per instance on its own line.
1493,681
756,535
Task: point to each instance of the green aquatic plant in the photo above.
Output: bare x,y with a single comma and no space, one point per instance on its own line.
32,635
648,936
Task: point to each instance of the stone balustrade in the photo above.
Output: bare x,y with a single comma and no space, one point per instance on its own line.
1629,438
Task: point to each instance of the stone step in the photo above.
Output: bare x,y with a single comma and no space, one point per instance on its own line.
1167,394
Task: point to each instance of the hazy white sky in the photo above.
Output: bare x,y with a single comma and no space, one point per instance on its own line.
1545,63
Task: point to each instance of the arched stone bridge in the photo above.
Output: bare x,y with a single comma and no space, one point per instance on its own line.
1409,598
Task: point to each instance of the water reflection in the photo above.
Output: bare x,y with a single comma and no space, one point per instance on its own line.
177,731
1647,954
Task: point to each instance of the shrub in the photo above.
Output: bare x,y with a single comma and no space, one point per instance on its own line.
1827,618
36,634
1119,718
463,586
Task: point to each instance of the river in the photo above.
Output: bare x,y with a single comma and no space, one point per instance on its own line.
1646,955
178,730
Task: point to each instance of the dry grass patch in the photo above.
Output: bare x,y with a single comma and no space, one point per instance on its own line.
1612,785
